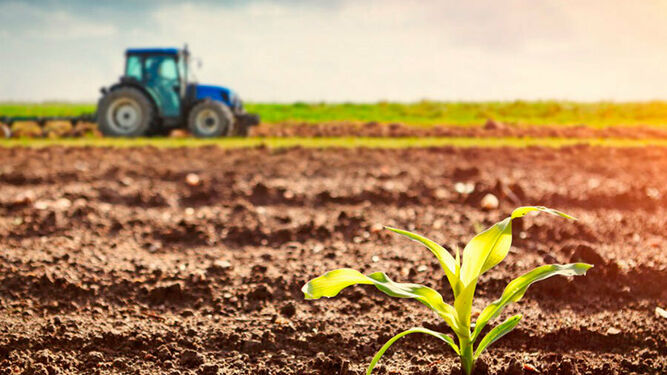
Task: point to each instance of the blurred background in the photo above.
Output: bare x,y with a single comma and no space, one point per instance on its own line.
345,50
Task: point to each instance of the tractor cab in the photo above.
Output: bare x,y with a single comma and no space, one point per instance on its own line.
154,96
163,73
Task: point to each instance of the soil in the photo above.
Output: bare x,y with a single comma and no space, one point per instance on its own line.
190,261
373,129
490,129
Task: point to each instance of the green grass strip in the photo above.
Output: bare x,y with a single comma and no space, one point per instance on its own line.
343,142
423,113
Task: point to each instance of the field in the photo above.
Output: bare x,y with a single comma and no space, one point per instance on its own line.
177,255
421,114
119,261
423,124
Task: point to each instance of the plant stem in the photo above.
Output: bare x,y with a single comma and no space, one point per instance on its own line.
467,359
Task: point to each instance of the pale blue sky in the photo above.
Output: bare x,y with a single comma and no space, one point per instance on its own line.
347,50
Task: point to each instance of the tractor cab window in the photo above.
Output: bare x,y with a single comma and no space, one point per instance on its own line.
169,70
161,76
161,69
133,67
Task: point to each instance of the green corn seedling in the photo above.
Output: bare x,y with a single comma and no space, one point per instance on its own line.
482,253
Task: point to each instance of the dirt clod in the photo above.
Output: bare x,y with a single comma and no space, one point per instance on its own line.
219,267
585,253
567,367
492,125
288,310
260,293
209,369
515,367
94,358
164,353
191,359
612,331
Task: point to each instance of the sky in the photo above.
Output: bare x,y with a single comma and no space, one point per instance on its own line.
347,50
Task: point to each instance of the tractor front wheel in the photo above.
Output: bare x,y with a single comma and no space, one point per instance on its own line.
125,112
210,119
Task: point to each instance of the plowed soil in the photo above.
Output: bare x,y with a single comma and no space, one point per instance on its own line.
490,129
374,129
190,261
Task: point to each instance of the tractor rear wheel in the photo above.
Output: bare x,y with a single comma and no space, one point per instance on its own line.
125,112
210,119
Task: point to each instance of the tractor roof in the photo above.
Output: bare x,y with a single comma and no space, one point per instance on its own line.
152,51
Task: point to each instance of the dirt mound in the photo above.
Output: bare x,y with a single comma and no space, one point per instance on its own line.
190,261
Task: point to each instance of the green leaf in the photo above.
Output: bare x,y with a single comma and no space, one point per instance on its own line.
495,240
490,247
517,288
458,269
386,346
496,333
463,306
522,211
448,263
485,251
332,282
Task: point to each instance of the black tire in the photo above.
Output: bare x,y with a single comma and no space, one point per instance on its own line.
210,119
125,112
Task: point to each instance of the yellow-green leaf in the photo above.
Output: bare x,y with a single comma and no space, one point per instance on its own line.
332,282
448,263
463,306
486,250
496,333
386,346
522,211
517,288
490,247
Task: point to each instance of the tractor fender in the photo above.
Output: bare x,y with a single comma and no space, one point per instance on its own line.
216,93
193,102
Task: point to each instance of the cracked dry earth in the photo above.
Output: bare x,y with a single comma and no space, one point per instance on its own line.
190,261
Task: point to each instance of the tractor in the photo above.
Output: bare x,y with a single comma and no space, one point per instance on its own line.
154,96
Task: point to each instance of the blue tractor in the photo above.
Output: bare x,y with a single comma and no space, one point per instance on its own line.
154,96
